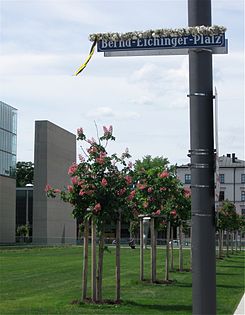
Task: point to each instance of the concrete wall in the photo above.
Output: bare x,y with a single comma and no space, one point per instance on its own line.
55,151
7,209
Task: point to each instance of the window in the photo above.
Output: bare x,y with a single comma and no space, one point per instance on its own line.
221,196
187,178
243,178
243,195
243,212
222,178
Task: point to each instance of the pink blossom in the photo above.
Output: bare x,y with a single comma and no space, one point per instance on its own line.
47,188
128,179
104,182
72,169
74,180
100,160
92,149
91,141
164,174
81,192
107,131
173,212
141,186
57,191
97,207
81,158
70,188
163,188
81,182
103,154
80,132
121,191
187,192
132,195
150,190
158,212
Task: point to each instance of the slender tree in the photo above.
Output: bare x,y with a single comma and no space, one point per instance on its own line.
100,188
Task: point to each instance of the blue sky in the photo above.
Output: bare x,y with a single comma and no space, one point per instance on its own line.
44,41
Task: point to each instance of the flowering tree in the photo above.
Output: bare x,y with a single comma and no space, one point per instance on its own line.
100,189
158,192
227,221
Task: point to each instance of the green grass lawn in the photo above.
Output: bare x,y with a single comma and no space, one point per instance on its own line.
47,280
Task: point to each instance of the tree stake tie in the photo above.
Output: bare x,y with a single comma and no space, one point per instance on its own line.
83,66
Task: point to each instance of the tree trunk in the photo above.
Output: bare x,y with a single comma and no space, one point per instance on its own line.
227,242
167,253
232,242
153,251
236,244
180,249
85,260
93,261
172,248
100,265
220,244
240,243
118,241
141,250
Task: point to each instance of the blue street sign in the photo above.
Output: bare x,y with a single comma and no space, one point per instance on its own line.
190,41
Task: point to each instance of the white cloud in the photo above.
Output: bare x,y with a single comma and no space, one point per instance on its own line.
107,112
144,98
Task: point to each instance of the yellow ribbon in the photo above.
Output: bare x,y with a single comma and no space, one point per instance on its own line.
87,60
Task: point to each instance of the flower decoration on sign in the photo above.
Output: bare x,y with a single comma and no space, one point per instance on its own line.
164,32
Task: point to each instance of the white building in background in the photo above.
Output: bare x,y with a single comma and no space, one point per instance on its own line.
232,180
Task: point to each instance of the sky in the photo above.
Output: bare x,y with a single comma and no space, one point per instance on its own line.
43,42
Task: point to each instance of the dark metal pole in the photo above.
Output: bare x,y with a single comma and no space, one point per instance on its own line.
202,168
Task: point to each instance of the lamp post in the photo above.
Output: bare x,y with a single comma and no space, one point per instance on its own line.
202,167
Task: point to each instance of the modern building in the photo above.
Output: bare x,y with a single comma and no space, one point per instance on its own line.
8,145
55,151
232,180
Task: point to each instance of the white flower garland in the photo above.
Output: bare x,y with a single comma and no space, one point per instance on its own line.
165,32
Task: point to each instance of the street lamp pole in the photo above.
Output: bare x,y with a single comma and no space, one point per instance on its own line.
202,167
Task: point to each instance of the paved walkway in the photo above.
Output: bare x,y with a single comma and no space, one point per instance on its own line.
241,307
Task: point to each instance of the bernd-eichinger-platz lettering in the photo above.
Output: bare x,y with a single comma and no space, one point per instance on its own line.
190,41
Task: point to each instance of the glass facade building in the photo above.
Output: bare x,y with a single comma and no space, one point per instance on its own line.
8,139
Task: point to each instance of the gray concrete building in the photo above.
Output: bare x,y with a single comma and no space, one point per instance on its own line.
8,135
55,151
232,180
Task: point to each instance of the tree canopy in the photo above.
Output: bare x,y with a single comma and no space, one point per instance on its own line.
24,173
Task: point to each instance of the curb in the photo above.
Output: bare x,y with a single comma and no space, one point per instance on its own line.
241,306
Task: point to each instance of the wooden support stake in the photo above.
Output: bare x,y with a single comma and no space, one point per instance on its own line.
172,248
141,251
180,248
99,277
167,253
93,261
118,241
153,251
85,260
